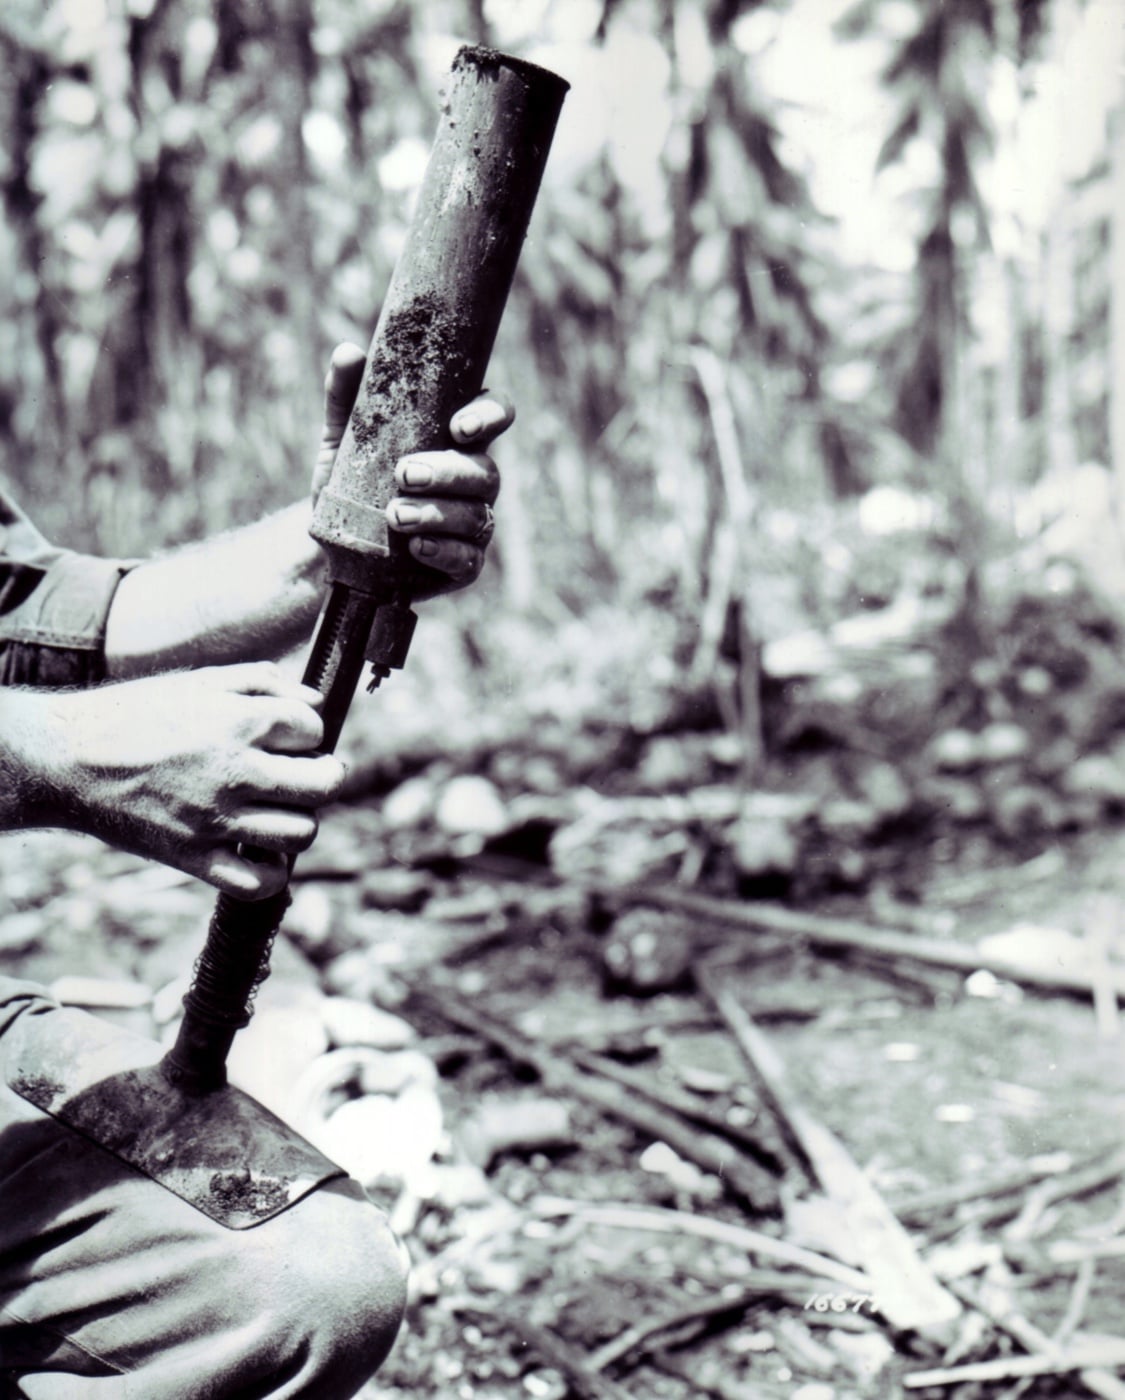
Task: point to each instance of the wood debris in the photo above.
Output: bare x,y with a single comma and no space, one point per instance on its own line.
909,1295
584,1379
1078,1358
881,1285
844,933
738,1172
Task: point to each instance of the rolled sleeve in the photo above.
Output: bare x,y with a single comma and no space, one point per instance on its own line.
53,608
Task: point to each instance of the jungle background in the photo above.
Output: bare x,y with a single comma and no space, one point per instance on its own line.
806,597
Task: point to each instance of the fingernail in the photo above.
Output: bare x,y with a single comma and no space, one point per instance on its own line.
416,473
469,423
423,548
407,514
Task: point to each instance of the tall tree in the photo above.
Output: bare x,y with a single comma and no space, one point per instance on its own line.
24,76
938,73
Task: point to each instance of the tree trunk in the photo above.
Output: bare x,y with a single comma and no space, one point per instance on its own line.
1058,321
30,79
741,511
296,71
1117,304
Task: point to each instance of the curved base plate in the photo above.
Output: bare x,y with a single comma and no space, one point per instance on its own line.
222,1152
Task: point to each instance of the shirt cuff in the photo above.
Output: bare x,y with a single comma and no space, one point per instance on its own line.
69,606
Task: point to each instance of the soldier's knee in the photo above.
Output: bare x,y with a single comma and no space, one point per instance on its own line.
363,1275
338,1289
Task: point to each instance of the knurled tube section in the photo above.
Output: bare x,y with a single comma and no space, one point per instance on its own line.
235,957
336,660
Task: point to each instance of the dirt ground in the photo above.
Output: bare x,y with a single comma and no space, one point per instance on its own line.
550,1222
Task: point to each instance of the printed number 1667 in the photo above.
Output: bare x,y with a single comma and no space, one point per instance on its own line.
838,1302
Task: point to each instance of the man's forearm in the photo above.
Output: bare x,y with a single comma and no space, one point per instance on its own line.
252,594
28,745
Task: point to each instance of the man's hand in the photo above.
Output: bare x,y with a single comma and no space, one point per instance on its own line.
184,767
447,497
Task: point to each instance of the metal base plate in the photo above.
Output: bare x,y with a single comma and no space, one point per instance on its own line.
221,1152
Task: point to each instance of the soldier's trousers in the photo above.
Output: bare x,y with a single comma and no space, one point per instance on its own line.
113,1288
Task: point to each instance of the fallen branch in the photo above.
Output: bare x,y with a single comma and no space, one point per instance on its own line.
1082,1181
751,1183
907,978
941,1199
682,1103
986,1214
591,1033
1084,1251
752,1242
556,1352
1096,1379
760,1284
1098,1355
907,1293
594,1036
847,933
1076,1305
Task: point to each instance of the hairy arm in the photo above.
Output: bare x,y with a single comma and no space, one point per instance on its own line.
29,742
251,594
185,768
254,594
248,595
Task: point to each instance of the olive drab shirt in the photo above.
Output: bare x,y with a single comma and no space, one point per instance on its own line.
53,606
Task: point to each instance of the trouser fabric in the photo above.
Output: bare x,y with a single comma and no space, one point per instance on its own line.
113,1288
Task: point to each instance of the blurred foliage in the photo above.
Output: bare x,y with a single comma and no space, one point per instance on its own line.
180,263
202,196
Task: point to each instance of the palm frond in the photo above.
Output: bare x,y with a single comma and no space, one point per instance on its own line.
902,133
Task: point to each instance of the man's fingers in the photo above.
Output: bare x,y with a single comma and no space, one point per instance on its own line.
468,476
341,385
271,828
464,475
259,678
285,715
485,418
460,560
244,677
294,782
471,520
287,725
224,868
